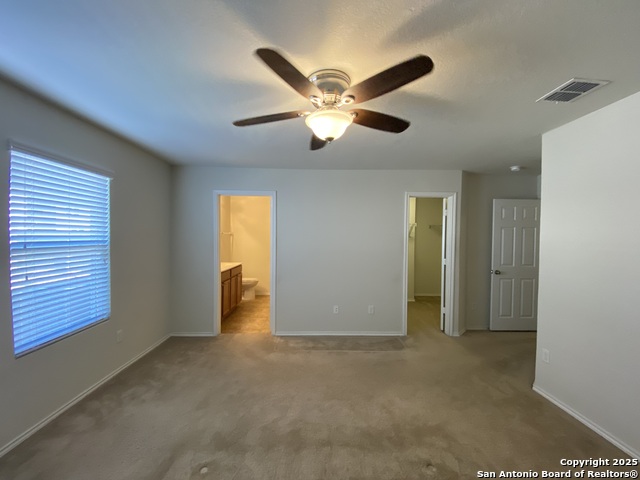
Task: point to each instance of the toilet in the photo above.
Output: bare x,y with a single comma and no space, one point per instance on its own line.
249,288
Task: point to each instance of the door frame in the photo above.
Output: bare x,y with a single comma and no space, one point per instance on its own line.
216,253
451,324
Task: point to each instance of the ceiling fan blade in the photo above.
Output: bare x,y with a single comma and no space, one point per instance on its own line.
390,79
290,74
379,121
317,143
269,118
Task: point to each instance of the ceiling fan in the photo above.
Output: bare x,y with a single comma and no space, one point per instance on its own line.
329,90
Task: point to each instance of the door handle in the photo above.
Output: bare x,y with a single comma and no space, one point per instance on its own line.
496,272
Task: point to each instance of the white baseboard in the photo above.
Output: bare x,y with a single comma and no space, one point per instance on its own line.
459,333
22,437
581,418
338,334
427,294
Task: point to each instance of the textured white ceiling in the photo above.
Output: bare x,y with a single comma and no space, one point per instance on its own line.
172,75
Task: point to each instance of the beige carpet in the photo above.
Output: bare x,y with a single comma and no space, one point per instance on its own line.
243,406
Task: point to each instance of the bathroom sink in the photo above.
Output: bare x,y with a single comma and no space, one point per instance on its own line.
224,266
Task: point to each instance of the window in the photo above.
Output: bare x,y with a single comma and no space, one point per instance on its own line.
59,249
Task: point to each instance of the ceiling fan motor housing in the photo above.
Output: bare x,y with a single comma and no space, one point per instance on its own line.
332,83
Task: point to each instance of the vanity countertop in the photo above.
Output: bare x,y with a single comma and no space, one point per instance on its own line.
224,266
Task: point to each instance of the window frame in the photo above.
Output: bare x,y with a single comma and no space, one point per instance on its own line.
93,241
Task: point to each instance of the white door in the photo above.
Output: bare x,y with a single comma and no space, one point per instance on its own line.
514,264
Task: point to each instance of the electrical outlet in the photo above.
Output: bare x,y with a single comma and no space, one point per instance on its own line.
336,309
371,310
119,335
546,357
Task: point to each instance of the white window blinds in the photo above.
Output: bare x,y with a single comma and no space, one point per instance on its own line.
59,249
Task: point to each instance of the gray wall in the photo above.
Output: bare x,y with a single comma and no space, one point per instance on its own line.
34,386
588,316
340,241
479,192
340,231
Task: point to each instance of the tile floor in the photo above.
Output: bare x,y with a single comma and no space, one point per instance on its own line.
251,316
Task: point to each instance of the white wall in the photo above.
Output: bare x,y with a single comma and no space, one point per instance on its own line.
34,386
340,241
251,226
479,192
589,268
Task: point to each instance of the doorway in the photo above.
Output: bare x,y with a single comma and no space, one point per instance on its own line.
244,249
444,227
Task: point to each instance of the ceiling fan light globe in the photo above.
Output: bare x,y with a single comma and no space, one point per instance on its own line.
328,122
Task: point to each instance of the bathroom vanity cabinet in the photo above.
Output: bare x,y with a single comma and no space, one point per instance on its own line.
231,287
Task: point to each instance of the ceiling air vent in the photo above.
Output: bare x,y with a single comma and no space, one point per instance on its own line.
572,90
